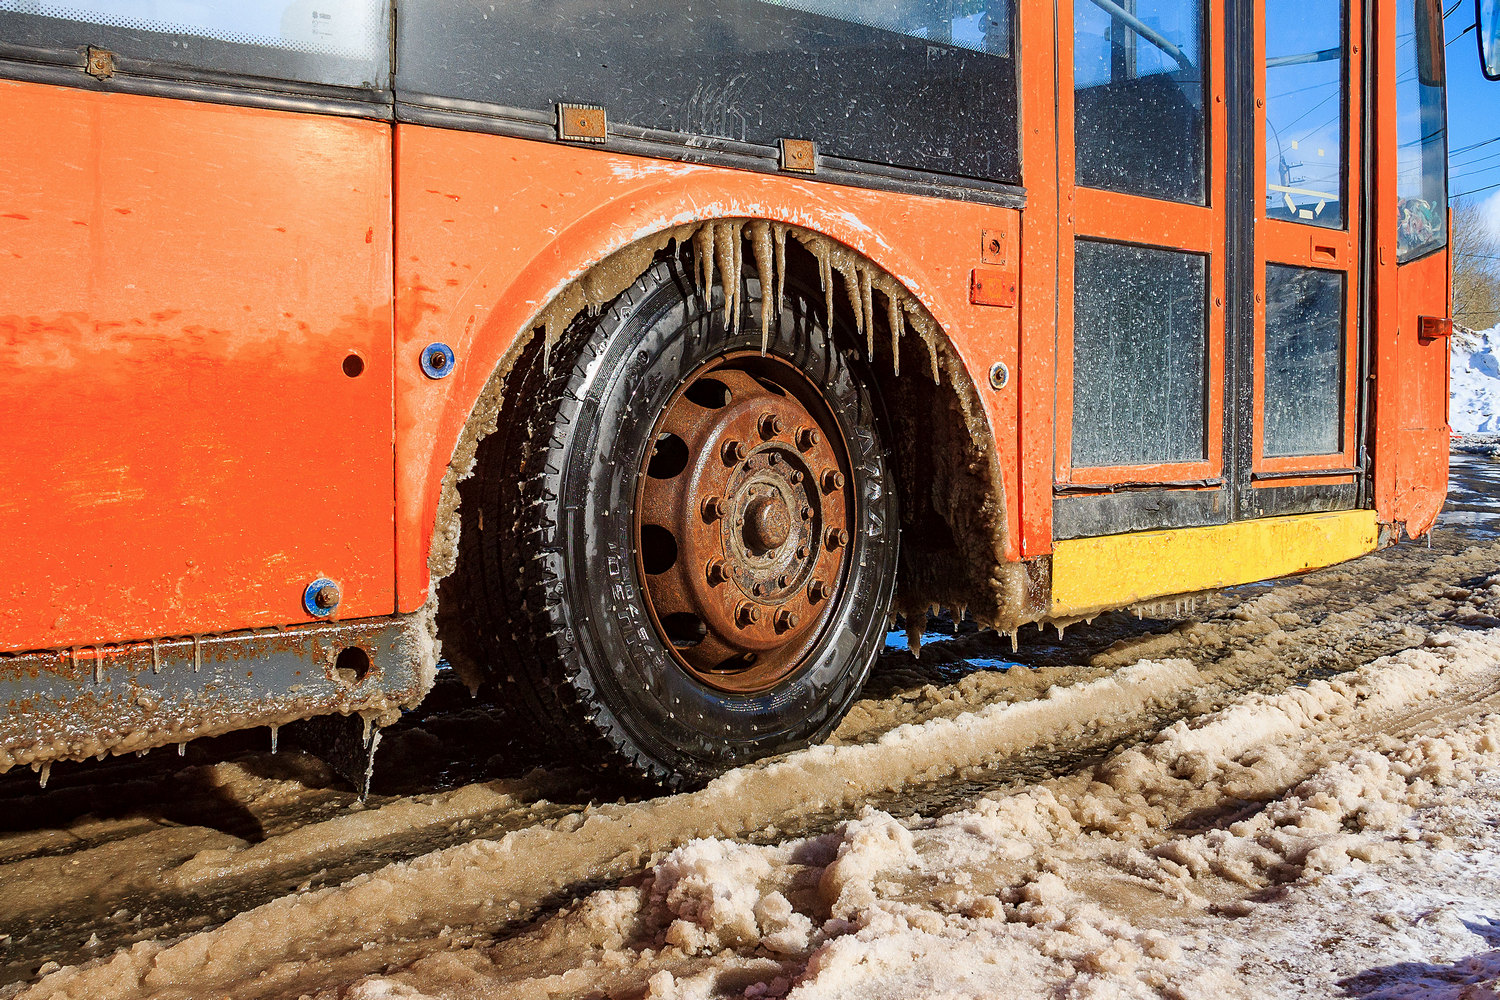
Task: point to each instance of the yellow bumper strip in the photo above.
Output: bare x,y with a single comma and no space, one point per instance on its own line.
1115,571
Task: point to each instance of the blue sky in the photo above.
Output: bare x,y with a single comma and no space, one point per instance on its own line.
1473,114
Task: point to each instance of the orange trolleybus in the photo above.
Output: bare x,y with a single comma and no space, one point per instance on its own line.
642,359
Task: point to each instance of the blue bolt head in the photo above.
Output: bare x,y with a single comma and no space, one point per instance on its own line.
321,597
437,360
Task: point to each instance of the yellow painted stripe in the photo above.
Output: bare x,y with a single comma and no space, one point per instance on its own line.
1094,574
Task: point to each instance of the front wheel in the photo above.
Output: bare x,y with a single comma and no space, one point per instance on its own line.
704,546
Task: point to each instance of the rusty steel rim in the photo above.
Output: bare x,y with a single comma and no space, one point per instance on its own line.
741,523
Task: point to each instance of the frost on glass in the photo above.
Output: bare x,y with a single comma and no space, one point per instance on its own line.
1421,130
1138,97
1304,402
1139,355
1305,111
978,25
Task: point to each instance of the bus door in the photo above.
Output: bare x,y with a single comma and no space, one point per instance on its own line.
1304,354
1207,308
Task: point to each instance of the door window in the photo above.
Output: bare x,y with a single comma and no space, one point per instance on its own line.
1138,86
1139,355
1304,403
1305,111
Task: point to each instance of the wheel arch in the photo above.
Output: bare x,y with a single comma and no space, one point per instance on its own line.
949,469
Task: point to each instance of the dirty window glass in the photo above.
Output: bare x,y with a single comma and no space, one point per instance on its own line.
1139,355
1304,404
334,42
1138,79
921,84
1305,104
1421,130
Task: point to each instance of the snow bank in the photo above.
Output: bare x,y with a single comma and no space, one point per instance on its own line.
1474,384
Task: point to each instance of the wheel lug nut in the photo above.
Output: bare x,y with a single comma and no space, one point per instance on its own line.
782,581
796,476
748,614
802,552
759,590
773,459
807,438
771,425
734,451
786,620
833,479
713,508
717,572
836,537
806,513
818,591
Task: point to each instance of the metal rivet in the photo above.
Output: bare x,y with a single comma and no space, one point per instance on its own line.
321,597
437,360
999,375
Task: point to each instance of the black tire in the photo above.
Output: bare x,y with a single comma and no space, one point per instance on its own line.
562,593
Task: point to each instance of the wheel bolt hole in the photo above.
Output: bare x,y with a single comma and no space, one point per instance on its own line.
709,393
658,549
684,629
668,457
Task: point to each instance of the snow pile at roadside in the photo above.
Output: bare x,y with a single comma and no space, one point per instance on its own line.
1474,384
1285,846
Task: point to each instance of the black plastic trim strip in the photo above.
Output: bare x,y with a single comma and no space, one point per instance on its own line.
1268,476
238,91
476,116
1082,489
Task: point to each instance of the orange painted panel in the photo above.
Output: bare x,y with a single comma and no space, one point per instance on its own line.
180,285
492,228
1419,392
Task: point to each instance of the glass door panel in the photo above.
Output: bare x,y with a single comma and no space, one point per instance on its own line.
1307,260
1140,384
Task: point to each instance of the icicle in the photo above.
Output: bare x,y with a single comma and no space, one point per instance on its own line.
365,739
851,289
867,309
45,773
98,666
760,242
914,635
73,656
778,233
726,235
703,248
182,749
1015,640
197,654
155,657
739,270
275,732
101,755
1059,626
894,317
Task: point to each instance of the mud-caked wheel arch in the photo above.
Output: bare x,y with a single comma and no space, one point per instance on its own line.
692,530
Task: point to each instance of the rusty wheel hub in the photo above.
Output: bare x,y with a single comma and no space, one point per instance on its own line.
742,521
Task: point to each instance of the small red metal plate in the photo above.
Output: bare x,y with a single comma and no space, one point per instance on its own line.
992,286
1433,327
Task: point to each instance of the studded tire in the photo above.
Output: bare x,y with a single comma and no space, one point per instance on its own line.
582,648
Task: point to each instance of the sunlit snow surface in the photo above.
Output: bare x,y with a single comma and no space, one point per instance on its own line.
1474,387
